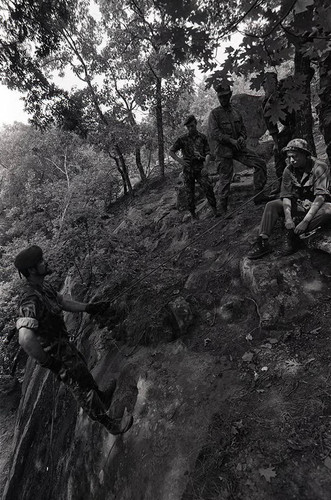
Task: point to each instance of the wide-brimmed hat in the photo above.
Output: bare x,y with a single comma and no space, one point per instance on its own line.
298,145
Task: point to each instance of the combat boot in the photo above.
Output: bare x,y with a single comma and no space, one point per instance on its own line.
215,212
291,242
260,248
223,206
117,425
107,395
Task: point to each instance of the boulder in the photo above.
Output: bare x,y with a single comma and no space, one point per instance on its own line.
284,288
181,316
321,242
250,106
234,309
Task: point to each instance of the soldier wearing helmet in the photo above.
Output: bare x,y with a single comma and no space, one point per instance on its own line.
44,337
227,137
304,200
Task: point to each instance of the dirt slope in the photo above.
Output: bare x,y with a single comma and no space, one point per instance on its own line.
230,359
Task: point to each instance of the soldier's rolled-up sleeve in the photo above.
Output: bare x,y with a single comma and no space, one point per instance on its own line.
31,323
321,180
28,313
177,146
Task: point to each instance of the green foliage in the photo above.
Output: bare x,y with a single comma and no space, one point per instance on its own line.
56,189
273,32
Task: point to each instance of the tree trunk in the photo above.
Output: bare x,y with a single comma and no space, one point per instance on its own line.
304,117
159,124
137,150
125,187
303,72
324,107
149,162
139,164
123,168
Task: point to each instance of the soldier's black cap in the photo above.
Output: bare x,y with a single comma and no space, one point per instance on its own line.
28,258
223,88
190,119
269,75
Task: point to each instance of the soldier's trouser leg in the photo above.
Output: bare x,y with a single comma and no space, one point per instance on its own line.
206,184
189,183
76,375
252,160
322,217
272,211
225,171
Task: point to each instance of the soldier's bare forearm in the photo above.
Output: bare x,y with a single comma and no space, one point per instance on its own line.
177,158
31,345
287,207
72,305
315,206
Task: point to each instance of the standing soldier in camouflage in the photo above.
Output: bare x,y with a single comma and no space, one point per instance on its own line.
43,335
227,136
195,158
273,94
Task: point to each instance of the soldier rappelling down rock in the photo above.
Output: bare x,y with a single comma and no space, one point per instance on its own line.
227,136
43,335
304,200
196,155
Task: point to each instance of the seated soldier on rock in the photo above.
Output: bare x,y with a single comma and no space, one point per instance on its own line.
304,200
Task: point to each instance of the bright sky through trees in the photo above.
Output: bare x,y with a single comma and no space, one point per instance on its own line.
12,107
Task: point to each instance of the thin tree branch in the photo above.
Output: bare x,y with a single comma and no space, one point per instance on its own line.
236,23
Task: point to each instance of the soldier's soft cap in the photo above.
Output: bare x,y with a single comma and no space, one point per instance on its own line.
190,119
28,258
298,145
269,75
223,88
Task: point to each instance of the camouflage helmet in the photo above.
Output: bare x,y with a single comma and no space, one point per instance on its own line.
298,145
28,258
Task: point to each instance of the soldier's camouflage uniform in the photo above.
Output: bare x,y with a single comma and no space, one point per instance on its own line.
225,124
194,149
40,310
